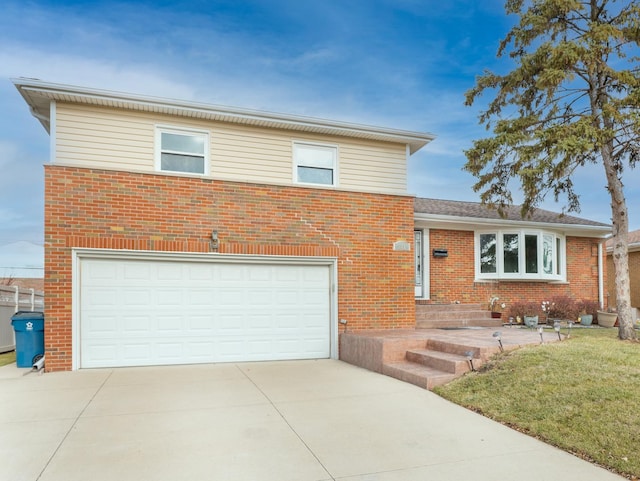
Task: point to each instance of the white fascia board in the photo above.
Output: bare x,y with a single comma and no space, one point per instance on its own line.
476,223
633,247
31,88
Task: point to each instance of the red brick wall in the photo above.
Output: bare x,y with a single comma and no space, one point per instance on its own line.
453,277
118,210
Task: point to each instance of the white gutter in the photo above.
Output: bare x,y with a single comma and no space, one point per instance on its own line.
53,132
600,277
598,231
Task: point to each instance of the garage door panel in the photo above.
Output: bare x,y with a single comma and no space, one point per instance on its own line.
169,271
146,312
136,351
259,274
104,325
169,297
201,297
229,273
102,297
138,325
230,297
103,352
135,271
203,325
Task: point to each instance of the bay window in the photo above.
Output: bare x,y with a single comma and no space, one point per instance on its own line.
520,254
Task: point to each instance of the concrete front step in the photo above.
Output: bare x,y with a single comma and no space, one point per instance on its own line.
436,316
450,307
460,348
417,374
428,314
385,351
442,361
445,323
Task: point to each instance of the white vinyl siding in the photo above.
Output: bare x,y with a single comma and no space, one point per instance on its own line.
104,138
97,137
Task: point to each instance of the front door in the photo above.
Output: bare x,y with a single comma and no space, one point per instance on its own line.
421,264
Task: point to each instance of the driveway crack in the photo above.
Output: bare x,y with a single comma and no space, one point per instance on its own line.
64,438
287,422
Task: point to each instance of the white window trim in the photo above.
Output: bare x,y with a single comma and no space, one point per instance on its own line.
522,275
170,129
316,144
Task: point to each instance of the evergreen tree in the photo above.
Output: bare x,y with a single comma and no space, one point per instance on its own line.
571,100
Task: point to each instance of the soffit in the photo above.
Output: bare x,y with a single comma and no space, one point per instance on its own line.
39,94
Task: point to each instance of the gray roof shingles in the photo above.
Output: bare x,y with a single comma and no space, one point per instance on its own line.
463,209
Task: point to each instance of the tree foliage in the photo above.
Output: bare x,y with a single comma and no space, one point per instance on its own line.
571,100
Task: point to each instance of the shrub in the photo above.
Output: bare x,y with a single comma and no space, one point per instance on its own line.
523,308
588,306
562,307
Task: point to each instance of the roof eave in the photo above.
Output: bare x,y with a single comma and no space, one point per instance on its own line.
39,94
632,247
472,223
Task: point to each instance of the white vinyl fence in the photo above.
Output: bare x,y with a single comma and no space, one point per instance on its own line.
12,300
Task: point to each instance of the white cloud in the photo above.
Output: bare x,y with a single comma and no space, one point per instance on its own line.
21,259
20,61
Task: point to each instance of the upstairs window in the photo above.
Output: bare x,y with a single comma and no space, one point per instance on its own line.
183,151
520,254
315,163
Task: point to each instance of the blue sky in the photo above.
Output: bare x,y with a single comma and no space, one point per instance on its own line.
393,63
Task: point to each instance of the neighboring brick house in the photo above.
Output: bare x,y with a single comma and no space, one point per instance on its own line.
179,232
634,270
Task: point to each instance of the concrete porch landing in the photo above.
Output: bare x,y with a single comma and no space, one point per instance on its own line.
431,357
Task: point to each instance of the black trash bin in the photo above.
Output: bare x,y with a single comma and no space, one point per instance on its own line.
29,330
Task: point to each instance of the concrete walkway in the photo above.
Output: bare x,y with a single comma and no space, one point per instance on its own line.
299,420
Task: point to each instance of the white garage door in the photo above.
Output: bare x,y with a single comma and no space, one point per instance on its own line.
152,312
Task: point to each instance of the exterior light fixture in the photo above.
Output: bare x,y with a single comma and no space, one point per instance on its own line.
214,243
510,321
344,323
556,327
570,325
469,356
498,336
540,330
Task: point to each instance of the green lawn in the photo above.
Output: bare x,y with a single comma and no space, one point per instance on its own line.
7,358
582,395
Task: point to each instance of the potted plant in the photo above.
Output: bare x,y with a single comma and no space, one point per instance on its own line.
525,311
607,318
495,308
587,310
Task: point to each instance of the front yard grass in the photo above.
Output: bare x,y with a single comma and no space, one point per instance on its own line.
581,395
7,358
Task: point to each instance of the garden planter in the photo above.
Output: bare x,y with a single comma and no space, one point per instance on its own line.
586,319
607,319
531,321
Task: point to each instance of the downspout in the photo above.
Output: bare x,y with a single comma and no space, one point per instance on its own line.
600,277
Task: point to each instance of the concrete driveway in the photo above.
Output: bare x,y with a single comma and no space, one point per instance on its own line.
299,420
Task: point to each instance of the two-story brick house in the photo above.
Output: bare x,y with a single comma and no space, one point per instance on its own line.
179,232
